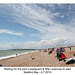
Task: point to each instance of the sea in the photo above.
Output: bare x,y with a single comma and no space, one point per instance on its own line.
12,53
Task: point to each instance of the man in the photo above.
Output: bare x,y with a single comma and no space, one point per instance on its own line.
58,53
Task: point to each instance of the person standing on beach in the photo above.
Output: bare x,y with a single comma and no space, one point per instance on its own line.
16,54
70,48
58,53
52,49
63,49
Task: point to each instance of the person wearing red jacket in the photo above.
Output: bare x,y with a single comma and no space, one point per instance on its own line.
63,57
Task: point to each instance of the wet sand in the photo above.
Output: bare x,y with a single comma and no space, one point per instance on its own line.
39,59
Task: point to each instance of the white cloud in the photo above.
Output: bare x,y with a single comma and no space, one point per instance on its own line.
43,44
62,16
10,32
45,22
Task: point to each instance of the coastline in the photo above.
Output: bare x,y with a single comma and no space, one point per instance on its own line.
14,55
39,59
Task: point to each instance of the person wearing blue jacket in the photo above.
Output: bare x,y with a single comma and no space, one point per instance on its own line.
58,53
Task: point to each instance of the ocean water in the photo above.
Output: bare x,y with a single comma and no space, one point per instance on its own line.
12,53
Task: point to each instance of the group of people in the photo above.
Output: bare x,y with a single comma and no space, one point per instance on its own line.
61,56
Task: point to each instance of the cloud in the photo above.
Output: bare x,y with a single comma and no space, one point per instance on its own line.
43,20
10,32
51,20
62,16
43,44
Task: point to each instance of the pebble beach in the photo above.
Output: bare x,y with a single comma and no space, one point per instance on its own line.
39,58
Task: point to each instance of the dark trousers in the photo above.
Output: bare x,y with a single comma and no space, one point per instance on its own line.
62,59
58,55
71,62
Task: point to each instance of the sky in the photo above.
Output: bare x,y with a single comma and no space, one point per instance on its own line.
36,26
